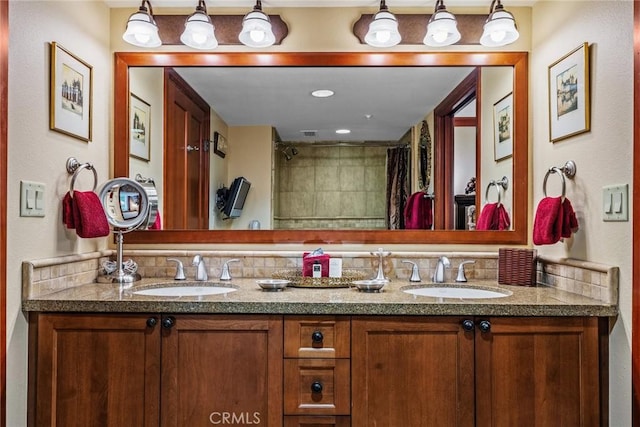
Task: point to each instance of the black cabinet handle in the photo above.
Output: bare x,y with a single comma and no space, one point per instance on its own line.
316,387
168,322
485,326
317,337
151,322
468,325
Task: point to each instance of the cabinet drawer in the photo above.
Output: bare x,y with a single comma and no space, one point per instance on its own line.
317,337
317,386
316,421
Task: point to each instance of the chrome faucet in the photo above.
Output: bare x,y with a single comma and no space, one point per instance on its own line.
438,274
226,275
179,269
415,273
201,269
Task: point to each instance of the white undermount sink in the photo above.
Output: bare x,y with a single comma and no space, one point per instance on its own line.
453,291
186,289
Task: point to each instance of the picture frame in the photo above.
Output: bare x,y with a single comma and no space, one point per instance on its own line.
569,95
503,128
139,128
70,94
219,144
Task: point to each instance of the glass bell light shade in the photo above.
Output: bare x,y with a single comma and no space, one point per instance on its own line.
442,29
256,29
383,29
142,29
500,27
198,30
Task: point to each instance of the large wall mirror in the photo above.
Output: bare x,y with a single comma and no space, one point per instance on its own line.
497,75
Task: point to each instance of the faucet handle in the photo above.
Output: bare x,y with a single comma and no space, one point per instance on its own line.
415,273
179,269
461,276
196,260
226,275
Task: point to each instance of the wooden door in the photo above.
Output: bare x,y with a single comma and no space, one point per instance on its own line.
411,371
94,370
186,156
222,370
538,372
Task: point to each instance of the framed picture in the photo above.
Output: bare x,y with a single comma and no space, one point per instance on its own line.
569,109
503,128
139,128
70,97
219,144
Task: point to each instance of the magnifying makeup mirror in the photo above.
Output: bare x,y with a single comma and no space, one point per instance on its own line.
128,205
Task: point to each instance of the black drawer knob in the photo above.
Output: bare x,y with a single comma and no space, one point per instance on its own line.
168,322
317,337
151,322
468,325
316,387
485,326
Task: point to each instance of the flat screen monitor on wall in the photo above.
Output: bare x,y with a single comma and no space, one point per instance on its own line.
236,197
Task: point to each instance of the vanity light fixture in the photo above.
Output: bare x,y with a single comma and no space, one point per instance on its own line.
256,28
383,29
500,27
442,29
199,30
142,29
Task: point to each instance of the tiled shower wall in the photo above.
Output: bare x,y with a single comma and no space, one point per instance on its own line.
330,187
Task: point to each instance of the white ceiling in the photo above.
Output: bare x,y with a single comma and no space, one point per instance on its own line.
395,98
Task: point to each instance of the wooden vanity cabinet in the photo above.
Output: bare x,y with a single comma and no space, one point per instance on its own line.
151,370
465,371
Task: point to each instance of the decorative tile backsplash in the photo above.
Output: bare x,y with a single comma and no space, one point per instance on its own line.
50,275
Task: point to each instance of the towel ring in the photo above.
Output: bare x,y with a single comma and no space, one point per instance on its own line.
568,170
504,183
74,167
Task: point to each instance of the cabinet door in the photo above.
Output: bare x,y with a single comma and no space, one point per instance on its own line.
537,372
223,370
94,370
411,371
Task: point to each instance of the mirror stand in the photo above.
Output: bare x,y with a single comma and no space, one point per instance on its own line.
122,274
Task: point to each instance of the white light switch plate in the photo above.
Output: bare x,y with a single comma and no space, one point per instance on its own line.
32,198
615,202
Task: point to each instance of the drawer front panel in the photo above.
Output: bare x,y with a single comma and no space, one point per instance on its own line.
317,337
317,386
316,421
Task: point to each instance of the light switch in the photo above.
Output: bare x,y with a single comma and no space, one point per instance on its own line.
32,199
615,203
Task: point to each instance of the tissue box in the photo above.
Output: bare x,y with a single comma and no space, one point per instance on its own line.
308,261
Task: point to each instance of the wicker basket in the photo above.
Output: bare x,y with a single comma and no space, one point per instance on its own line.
517,267
300,281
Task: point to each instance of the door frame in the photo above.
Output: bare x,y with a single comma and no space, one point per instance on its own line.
635,270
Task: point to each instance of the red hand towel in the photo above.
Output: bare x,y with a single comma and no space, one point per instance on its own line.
569,220
67,211
418,212
547,225
88,215
488,220
157,224
504,222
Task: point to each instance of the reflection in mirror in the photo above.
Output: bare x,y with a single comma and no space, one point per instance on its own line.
321,179
253,146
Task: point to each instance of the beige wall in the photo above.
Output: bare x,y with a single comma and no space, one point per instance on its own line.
603,156
38,154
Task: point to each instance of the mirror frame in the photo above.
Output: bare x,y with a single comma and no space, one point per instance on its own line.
520,182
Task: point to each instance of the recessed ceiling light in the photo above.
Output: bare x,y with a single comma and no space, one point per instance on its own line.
322,93
343,131
368,116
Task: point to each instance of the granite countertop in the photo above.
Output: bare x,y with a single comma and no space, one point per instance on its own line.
249,298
